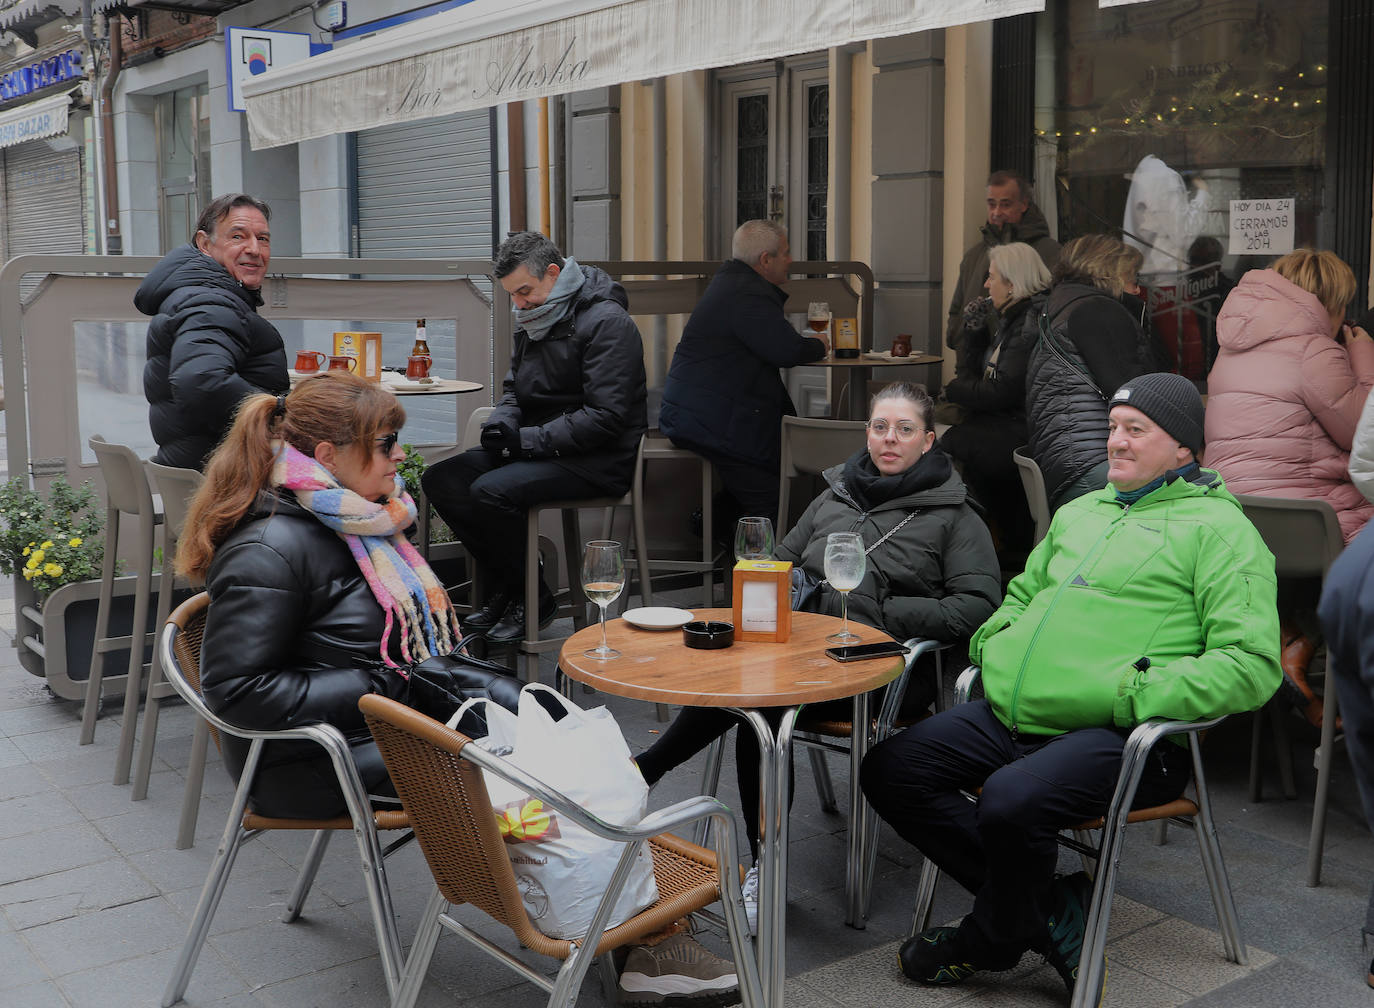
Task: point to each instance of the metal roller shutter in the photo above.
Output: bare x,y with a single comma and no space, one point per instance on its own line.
424,188
43,204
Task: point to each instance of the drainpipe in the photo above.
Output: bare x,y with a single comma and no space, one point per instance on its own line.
545,211
515,157
660,212
114,240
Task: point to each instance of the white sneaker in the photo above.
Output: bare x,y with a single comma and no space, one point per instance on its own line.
751,900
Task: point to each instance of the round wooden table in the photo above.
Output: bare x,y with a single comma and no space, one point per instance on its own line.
656,666
857,371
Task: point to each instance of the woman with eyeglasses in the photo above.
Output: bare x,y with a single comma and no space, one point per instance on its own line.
316,596
931,571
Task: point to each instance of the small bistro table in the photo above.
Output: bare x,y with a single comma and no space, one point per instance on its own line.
656,666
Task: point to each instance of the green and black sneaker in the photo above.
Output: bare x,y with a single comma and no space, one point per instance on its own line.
937,957
1070,897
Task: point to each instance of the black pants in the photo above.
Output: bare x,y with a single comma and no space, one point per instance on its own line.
484,499
1002,848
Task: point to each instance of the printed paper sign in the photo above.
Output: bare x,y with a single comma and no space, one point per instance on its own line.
1262,226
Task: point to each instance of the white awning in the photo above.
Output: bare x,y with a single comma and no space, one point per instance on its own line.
490,52
34,121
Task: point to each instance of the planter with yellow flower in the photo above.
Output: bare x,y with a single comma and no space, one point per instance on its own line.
54,545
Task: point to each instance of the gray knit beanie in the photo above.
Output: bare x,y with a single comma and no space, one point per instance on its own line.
1171,401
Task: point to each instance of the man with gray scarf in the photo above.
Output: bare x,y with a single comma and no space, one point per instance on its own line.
567,426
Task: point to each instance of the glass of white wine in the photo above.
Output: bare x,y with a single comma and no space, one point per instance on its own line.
754,539
818,316
844,569
603,579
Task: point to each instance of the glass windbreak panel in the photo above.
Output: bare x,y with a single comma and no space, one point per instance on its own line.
817,168
109,377
751,146
1165,115
430,419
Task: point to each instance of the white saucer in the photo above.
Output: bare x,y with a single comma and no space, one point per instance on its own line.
657,617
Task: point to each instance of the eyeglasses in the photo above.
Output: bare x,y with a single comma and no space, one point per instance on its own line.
387,444
905,430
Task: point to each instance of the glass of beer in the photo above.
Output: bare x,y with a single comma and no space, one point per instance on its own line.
818,316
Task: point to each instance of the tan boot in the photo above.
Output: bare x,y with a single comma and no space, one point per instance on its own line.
1295,655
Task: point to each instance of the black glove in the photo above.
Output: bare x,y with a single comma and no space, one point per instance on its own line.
501,436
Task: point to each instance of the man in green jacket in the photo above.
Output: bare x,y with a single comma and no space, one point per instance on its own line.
1153,597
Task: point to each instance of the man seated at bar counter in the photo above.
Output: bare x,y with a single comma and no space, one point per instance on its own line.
1153,597
724,398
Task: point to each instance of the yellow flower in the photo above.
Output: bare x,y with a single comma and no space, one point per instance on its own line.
52,569
74,541
29,572
47,544
26,550
37,557
33,562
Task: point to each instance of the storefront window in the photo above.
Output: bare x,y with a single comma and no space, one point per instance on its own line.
1166,112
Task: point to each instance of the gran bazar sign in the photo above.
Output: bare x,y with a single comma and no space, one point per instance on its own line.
58,69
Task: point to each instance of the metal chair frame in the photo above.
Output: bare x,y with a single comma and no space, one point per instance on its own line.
180,640
398,728
1104,859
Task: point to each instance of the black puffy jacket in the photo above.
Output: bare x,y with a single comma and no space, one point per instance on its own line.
208,348
724,397
289,608
579,394
1092,348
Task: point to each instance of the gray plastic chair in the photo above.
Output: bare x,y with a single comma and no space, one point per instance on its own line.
1033,482
809,447
1104,859
126,493
1305,538
176,487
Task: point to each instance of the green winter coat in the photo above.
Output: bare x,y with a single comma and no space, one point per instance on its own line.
937,577
1181,578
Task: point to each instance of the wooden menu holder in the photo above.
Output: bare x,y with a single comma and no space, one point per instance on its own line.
763,600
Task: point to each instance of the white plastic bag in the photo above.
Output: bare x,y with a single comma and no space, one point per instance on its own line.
562,869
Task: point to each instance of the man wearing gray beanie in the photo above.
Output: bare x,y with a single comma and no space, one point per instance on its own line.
1153,597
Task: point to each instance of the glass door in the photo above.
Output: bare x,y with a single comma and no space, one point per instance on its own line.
183,155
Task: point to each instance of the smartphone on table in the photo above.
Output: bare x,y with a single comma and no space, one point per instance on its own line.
859,652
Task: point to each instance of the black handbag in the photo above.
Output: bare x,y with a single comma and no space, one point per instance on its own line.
808,590
439,685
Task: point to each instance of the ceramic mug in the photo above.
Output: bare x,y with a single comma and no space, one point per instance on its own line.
309,361
343,363
417,367
901,346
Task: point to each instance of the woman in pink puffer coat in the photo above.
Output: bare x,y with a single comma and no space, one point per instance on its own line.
1285,396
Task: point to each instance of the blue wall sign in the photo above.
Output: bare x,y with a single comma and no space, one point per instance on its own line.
59,69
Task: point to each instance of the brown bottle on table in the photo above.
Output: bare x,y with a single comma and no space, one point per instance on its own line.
421,348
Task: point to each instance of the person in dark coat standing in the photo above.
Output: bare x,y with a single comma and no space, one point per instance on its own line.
208,348
1347,616
724,398
567,426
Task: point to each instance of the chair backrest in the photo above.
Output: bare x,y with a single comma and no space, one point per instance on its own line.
181,642
177,487
1033,482
1304,535
809,447
451,813
472,433
126,482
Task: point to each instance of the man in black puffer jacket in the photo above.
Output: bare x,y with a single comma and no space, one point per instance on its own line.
207,345
567,426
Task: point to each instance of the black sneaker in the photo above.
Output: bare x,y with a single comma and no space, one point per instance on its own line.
1070,897
937,957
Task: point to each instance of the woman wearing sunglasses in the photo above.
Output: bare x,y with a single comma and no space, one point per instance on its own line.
316,596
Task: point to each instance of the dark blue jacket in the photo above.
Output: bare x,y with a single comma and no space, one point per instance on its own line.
724,398
207,348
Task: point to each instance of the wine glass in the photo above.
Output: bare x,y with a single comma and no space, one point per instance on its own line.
844,569
754,539
818,315
603,579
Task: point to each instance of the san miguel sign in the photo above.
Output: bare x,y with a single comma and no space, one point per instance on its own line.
25,80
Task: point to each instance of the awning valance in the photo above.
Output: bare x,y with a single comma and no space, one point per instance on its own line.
490,52
34,121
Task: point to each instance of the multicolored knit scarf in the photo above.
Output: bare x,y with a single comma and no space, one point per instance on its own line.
403,584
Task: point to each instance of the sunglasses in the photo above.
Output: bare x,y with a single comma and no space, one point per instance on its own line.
388,444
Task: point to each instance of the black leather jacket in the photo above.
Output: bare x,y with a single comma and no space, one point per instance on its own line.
207,348
292,638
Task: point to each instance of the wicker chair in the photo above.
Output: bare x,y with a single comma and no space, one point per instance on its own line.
439,777
180,645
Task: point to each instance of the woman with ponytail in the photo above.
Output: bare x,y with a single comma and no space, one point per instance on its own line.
316,595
